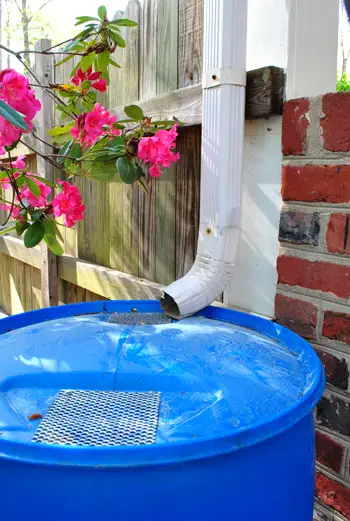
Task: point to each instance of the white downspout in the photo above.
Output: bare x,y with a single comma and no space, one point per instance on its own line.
224,77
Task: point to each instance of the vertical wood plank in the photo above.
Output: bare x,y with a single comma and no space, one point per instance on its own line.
187,198
131,54
116,188
44,66
115,90
166,75
167,43
149,25
123,250
190,42
148,88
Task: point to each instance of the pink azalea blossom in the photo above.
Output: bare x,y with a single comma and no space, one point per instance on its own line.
89,127
15,90
158,150
19,163
39,201
80,76
68,203
5,182
14,212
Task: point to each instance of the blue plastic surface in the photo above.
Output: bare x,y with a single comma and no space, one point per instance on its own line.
235,437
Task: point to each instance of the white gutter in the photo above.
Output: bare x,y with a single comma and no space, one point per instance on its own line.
224,77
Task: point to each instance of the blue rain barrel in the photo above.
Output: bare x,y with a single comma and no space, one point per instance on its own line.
111,411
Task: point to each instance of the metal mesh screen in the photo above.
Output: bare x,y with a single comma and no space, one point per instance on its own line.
139,319
100,419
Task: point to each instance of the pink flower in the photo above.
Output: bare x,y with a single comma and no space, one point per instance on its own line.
89,127
5,182
80,76
158,150
14,212
15,90
19,163
100,85
39,201
68,203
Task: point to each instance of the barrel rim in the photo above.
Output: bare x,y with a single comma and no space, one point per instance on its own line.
168,452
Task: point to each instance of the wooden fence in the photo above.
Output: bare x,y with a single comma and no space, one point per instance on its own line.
131,244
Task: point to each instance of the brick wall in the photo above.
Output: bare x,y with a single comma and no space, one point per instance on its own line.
313,294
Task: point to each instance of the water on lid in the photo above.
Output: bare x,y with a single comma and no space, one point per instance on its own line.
213,377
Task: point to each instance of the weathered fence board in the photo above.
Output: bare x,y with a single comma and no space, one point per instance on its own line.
44,68
190,42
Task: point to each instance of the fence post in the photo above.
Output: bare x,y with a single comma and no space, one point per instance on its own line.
44,69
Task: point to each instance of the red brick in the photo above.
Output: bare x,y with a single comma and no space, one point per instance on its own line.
298,315
336,122
318,275
333,494
316,183
337,326
328,452
294,126
338,234
337,370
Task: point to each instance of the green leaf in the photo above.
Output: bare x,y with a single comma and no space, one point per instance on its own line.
102,60
50,237
102,12
76,151
20,181
57,230
134,112
43,180
117,39
64,60
166,122
87,105
7,230
105,76
34,234
117,141
141,183
84,19
87,61
49,228
35,216
124,22
11,115
101,171
33,187
3,174
129,172
54,245
114,63
61,129
71,45
21,227
64,151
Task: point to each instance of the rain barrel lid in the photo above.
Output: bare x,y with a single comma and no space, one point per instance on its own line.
219,381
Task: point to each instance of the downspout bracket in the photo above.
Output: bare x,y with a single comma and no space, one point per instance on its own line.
226,76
